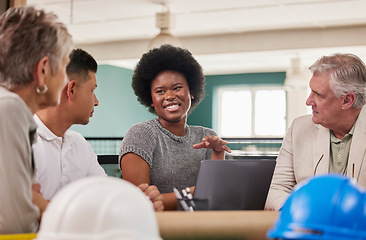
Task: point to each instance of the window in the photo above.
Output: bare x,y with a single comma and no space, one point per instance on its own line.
251,112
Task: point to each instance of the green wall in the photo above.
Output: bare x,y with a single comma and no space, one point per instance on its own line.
119,109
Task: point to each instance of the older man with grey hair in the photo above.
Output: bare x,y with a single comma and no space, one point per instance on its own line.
333,138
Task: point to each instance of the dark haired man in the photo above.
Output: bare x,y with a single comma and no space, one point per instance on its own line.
62,155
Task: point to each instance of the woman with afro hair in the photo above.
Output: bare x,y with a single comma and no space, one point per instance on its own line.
165,151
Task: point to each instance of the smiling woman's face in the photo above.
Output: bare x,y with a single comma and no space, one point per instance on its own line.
170,96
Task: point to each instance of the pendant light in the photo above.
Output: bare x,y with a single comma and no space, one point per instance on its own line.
164,22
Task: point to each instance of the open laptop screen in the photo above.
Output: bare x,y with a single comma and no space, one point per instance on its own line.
234,184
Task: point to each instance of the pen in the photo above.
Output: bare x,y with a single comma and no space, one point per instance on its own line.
180,199
190,202
190,197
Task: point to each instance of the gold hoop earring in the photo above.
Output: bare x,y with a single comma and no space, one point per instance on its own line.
39,91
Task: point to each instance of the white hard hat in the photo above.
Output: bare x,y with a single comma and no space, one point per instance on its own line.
99,208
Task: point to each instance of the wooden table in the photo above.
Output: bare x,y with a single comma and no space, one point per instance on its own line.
215,224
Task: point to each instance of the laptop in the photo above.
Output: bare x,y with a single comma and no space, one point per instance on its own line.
233,184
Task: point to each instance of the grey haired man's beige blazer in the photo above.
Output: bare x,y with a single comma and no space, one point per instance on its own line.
305,152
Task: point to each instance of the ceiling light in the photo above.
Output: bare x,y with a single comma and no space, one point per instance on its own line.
295,76
163,21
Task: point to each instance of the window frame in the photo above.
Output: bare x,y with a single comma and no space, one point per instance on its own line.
253,90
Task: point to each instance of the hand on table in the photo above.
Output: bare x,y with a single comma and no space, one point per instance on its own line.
154,194
38,199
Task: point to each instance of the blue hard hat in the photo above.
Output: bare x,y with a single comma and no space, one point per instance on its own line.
325,207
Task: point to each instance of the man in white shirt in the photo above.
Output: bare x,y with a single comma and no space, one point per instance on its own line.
62,155
72,158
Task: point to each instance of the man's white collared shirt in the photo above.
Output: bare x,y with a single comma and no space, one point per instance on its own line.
62,160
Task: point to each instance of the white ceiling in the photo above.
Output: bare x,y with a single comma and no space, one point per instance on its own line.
226,36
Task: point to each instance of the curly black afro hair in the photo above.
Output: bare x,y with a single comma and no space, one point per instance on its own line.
164,58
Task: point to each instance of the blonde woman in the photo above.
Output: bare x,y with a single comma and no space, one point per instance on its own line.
34,54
